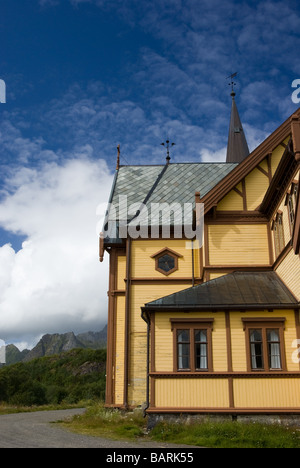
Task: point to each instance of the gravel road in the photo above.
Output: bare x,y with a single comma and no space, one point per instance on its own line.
34,430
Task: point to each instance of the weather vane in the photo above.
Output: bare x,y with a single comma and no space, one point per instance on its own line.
232,83
167,145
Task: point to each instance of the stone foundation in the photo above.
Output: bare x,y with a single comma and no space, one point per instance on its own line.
186,418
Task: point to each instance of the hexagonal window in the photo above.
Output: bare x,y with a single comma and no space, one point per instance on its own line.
166,261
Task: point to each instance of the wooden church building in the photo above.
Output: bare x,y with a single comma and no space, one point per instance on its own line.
209,327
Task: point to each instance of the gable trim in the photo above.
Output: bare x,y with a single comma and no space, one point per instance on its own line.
296,231
255,158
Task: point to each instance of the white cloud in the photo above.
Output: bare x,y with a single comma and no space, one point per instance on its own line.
213,156
55,282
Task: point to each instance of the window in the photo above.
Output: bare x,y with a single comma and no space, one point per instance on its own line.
278,234
256,347
201,347
291,203
265,344
183,349
192,345
166,261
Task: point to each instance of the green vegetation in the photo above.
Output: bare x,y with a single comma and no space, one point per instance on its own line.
65,378
111,423
228,435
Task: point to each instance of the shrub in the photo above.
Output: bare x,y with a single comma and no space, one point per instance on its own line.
72,376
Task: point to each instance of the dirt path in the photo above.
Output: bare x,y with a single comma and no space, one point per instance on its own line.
34,430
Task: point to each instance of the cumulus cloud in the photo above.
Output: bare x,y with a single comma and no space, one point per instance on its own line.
55,282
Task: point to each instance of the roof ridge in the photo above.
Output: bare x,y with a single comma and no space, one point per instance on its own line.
183,162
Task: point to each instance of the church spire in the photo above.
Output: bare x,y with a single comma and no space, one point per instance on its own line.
237,148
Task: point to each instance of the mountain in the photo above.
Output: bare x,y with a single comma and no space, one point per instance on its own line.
13,354
57,343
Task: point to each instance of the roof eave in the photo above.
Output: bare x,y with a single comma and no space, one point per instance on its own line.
220,308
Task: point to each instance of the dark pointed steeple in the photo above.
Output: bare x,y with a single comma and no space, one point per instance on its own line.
237,148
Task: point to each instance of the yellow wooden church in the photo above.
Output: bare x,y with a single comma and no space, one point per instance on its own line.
209,327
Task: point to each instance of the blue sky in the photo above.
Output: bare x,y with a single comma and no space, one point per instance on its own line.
83,76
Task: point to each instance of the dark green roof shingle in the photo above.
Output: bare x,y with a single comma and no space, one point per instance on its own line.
238,290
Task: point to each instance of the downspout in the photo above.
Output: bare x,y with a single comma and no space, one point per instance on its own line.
127,318
193,265
147,320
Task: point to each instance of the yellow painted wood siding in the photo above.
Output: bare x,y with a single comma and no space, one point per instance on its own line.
238,337
257,184
238,244
143,266
276,157
264,165
286,222
267,393
119,357
289,272
140,295
216,275
232,202
121,272
191,393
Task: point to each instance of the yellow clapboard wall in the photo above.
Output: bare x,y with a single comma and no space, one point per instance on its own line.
143,265
191,393
267,393
288,271
238,244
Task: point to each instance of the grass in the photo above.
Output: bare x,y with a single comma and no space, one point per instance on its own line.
114,424
109,423
10,409
228,435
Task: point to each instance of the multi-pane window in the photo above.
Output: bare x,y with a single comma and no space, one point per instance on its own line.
272,349
278,234
265,347
273,340
256,348
192,349
183,349
201,345
192,346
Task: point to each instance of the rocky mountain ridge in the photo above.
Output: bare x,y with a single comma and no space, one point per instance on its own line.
57,343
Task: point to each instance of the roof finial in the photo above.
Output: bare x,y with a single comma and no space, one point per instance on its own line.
118,158
167,145
232,83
